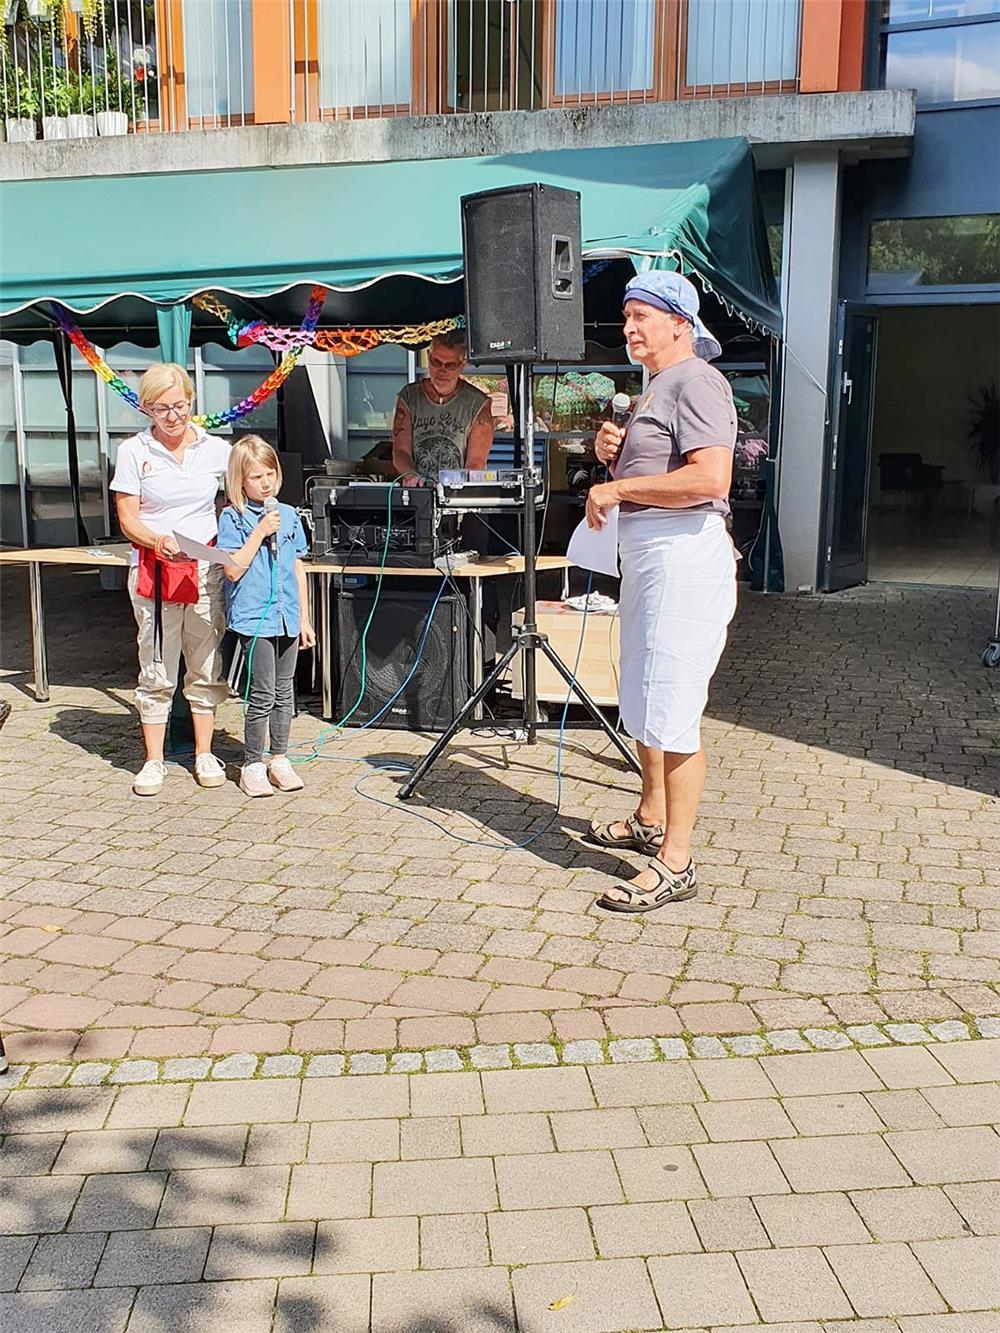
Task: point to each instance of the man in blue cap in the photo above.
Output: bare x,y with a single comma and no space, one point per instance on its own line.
672,469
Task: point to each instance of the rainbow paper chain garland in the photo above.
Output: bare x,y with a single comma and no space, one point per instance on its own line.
339,342
292,342
209,420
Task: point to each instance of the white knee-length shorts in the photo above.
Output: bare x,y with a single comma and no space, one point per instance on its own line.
678,595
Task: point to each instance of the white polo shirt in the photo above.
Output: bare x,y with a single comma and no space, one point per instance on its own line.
173,496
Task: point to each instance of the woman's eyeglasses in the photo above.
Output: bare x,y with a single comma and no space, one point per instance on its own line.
172,410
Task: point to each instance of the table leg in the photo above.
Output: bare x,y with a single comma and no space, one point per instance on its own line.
39,655
476,651
326,646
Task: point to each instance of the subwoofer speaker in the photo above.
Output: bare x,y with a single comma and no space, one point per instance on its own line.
439,686
523,274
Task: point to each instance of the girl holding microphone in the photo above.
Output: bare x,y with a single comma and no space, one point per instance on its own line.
267,606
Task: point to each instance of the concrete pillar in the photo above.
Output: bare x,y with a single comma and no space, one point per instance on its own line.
811,246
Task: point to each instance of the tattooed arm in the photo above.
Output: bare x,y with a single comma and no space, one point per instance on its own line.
402,444
480,438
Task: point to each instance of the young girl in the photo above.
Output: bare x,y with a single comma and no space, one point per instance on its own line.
266,605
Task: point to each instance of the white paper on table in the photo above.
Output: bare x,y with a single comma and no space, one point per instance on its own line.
596,548
195,550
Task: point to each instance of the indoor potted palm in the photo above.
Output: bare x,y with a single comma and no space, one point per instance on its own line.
984,445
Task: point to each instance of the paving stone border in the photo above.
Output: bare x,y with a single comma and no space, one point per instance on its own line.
517,1055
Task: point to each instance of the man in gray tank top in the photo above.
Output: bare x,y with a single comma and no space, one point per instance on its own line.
441,422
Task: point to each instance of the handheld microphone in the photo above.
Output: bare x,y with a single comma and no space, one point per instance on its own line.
621,409
270,505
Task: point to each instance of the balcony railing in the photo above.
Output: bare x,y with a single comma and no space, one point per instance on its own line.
158,65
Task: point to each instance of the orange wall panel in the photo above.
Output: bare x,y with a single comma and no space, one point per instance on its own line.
819,70
272,57
853,23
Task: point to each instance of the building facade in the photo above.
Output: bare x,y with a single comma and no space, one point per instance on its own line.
876,132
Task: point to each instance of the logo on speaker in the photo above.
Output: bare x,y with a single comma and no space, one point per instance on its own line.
500,345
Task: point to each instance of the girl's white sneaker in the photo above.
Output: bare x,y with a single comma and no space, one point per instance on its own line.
283,775
253,781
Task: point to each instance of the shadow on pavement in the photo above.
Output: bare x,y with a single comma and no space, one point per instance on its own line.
888,673
153,1241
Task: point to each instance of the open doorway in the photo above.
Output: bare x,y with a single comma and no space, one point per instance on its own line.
935,458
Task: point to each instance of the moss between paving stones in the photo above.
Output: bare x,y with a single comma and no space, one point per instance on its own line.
57,1074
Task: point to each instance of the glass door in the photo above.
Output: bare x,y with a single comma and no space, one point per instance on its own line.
845,557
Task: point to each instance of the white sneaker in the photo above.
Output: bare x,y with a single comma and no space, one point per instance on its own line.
208,771
253,781
150,778
283,775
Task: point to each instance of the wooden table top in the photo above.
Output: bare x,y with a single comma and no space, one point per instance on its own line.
118,554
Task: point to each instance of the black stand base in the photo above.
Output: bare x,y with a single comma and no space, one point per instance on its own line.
527,642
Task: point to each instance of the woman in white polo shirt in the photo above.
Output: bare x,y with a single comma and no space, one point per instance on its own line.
167,479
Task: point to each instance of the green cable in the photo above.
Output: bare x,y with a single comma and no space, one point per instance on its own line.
335,727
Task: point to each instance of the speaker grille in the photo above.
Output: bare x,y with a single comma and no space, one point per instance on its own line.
439,685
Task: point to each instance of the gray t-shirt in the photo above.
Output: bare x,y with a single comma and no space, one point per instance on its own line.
441,431
684,407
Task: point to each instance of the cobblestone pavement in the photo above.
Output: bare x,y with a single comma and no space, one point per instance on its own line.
839,1192
848,851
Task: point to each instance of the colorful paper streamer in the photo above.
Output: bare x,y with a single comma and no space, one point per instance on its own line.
339,342
209,420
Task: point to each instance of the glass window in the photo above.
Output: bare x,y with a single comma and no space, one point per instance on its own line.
364,50
741,42
496,53
945,64
603,46
218,58
10,496
373,381
920,11
933,252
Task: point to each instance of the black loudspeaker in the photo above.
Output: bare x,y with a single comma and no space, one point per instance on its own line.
439,686
523,274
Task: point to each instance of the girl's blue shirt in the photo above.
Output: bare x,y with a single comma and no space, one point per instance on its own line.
247,598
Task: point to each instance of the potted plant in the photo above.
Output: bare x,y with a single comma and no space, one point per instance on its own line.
984,445
82,124
119,96
23,106
57,100
984,432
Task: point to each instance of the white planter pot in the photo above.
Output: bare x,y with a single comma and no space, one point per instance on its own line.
112,122
20,129
55,127
82,126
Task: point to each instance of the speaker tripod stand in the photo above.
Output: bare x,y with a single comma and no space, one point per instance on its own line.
529,640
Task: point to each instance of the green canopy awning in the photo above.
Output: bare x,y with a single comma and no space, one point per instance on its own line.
377,234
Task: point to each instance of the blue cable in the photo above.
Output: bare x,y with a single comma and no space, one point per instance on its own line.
395,765
328,733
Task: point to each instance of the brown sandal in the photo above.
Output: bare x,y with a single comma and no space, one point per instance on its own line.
671,888
645,838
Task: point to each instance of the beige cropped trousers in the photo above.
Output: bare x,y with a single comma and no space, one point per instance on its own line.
192,628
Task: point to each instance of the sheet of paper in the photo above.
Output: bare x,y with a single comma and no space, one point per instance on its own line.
199,551
596,548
